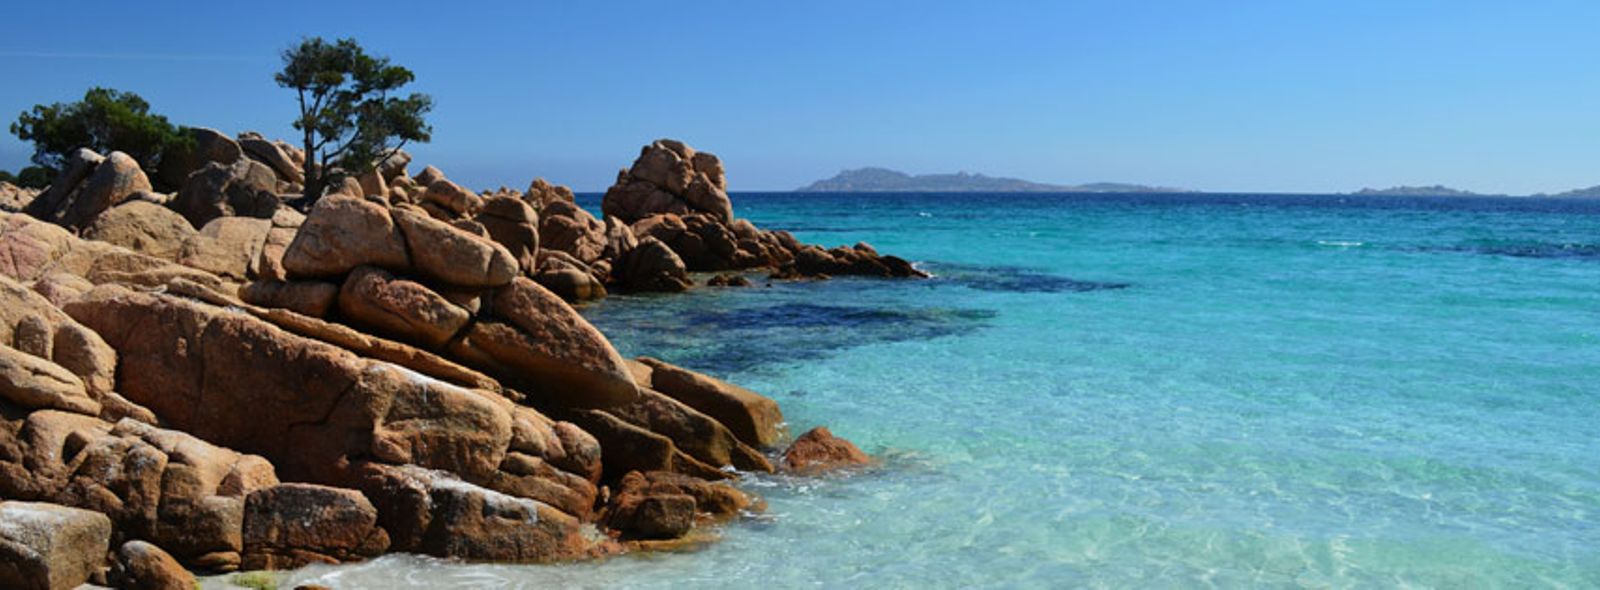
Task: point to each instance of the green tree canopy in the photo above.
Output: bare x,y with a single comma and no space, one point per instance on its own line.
105,120
348,116
30,177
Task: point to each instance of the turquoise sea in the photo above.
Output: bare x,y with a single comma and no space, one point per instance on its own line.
1149,391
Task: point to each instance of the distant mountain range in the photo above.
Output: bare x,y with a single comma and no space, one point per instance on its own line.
1417,191
886,180
1592,192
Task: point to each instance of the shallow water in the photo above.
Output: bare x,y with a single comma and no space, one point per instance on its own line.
1150,391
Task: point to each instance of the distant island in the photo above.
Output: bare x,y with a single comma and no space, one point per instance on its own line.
1417,191
1592,192
886,180
874,179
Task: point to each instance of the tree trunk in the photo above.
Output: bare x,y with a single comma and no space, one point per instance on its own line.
314,180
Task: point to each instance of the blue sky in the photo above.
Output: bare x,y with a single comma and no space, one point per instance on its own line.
1280,96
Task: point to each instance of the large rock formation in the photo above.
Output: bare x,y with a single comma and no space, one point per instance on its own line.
244,187
87,186
404,353
160,485
678,196
209,145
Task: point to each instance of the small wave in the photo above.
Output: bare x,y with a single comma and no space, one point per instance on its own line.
1340,243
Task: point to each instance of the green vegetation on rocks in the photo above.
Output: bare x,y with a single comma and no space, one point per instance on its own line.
349,120
106,120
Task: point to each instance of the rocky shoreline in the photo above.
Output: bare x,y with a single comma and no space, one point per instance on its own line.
212,380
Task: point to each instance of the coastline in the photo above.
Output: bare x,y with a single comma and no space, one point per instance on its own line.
416,378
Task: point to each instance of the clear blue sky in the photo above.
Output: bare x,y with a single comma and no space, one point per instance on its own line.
1291,96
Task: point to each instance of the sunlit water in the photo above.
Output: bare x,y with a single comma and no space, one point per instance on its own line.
1178,391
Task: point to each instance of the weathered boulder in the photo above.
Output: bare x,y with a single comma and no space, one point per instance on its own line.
229,247
244,188
704,195
819,450
565,227
570,283
433,513
260,149
60,287
29,248
666,227
143,566
34,383
515,225
143,227
310,298
619,239
443,252
373,183
394,166
342,233
630,447
59,195
652,266
548,348
541,193
639,511
345,187
664,167
711,166
695,433
285,224
861,260
294,524
752,417
373,298
50,547
428,176
452,197
714,500
209,145
632,200
295,154
112,182
32,324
